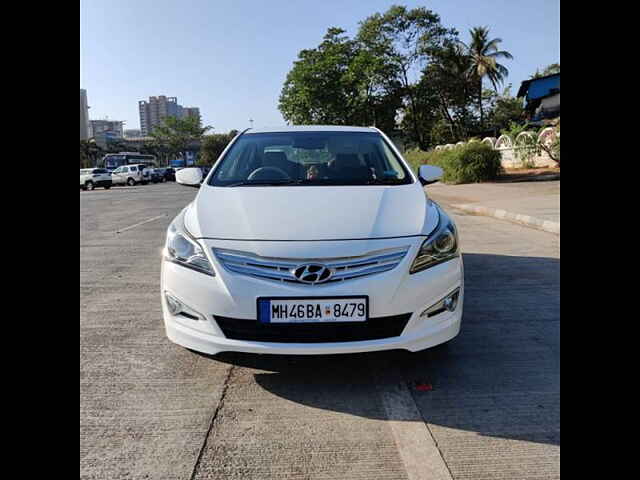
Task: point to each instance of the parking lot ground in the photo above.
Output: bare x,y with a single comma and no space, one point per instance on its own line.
150,409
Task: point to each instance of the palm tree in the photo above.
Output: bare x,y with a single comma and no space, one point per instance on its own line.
483,54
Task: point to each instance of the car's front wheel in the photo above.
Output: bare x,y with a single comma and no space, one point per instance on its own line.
131,182
89,185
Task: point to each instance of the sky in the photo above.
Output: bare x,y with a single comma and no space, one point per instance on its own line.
230,59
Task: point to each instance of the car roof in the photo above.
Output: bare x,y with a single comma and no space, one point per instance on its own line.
310,128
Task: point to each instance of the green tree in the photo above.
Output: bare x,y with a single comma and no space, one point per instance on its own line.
213,146
340,83
89,153
406,40
322,85
176,134
504,110
484,55
446,78
84,158
548,70
117,145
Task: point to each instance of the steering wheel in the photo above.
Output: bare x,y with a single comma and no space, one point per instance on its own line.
268,173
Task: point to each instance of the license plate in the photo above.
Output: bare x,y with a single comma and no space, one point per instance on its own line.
313,310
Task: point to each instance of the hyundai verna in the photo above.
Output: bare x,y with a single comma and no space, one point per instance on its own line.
311,240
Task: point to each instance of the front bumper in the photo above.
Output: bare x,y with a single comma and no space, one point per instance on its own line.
391,293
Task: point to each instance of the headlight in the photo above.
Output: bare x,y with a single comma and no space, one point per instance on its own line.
441,246
183,249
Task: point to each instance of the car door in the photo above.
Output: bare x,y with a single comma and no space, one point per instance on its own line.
118,175
103,175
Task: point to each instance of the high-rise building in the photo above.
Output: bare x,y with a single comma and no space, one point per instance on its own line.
84,115
193,112
155,110
152,112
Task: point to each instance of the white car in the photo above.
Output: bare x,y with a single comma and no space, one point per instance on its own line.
311,240
131,175
91,178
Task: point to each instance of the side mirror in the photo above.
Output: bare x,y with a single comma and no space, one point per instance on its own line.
428,174
191,177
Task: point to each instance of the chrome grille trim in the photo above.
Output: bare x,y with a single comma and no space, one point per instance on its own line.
281,269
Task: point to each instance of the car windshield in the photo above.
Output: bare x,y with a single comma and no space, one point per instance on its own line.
310,158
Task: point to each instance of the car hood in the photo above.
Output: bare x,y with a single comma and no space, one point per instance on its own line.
307,213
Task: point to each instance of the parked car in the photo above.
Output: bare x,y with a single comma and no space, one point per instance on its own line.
91,178
131,175
311,240
169,174
157,175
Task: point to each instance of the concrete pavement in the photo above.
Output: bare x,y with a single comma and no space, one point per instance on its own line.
533,204
152,410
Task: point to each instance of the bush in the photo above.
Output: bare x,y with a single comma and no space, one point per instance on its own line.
471,163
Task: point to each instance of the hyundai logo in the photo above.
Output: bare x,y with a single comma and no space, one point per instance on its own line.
312,273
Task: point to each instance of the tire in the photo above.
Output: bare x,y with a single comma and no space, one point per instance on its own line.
107,187
89,185
83,188
131,182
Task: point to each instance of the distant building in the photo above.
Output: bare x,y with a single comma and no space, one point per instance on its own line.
153,111
132,133
137,140
84,115
105,131
542,97
111,127
193,112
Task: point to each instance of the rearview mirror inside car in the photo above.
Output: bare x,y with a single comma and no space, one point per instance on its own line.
309,143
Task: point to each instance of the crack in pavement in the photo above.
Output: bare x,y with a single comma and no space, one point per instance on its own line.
225,386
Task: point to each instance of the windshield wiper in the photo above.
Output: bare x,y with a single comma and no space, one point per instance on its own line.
386,181
263,183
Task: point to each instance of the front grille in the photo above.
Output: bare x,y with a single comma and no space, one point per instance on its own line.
372,329
282,269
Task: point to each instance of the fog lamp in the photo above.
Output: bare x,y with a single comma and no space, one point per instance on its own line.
173,304
448,303
176,307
